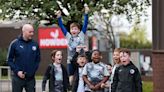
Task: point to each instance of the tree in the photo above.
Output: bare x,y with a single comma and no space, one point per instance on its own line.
3,53
101,21
136,39
72,11
44,9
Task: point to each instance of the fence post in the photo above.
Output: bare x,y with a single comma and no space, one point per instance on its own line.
6,82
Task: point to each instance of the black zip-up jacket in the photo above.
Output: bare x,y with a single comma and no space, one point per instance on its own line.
24,56
49,75
76,68
127,79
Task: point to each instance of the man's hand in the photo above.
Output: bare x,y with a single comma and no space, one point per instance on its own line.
20,74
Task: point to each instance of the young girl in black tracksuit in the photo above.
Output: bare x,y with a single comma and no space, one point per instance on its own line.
56,74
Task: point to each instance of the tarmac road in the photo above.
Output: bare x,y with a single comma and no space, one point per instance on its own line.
5,86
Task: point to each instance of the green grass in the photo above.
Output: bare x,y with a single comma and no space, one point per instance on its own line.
148,86
4,77
37,77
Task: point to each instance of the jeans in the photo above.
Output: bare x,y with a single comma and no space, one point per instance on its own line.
18,84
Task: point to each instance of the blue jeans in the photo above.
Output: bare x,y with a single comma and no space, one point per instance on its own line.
18,84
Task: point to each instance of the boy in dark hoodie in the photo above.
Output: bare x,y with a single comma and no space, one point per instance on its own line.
79,60
126,77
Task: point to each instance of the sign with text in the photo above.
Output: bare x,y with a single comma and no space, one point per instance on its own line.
51,38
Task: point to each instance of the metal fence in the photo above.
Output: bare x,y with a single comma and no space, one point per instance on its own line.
5,81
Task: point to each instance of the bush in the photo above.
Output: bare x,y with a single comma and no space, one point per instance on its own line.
3,56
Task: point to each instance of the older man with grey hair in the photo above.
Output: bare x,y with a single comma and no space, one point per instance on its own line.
23,58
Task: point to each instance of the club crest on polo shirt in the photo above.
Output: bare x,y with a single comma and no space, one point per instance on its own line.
120,70
132,71
34,48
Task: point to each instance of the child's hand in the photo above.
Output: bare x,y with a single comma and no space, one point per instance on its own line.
86,8
103,85
97,86
78,48
58,13
85,48
92,87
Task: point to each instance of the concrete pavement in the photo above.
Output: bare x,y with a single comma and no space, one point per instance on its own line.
5,86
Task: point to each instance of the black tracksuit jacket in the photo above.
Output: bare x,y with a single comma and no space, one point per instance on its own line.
76,69
49,75
127,79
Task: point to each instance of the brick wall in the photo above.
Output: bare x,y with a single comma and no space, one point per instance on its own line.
158,71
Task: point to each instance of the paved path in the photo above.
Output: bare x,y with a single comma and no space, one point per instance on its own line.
5,86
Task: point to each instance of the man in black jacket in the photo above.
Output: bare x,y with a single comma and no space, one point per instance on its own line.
24,58
127,77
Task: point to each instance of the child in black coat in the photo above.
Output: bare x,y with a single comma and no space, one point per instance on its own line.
79,60
56,73
127,77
